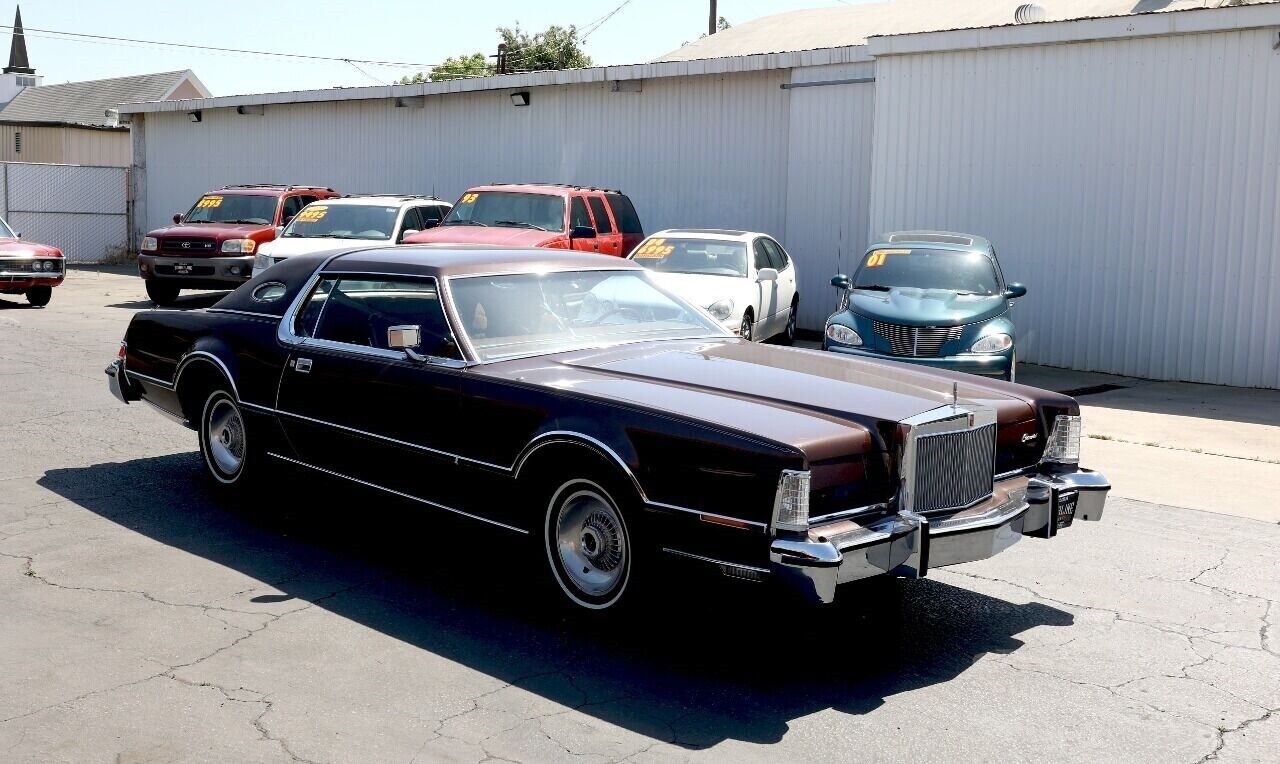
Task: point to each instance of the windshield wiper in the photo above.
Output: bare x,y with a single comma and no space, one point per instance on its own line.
464,222
873,287
236,222
518,224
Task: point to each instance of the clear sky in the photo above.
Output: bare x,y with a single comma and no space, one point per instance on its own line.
417,31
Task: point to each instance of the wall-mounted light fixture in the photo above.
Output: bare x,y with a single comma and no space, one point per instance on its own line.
411,102
520,98
257,110
195,116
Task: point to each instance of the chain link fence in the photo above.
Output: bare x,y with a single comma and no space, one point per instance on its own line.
82,210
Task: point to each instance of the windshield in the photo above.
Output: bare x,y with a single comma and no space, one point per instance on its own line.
925,268
541,212
535,314
709,256
343,221
233,208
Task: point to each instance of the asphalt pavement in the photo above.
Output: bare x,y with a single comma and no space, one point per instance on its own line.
145,619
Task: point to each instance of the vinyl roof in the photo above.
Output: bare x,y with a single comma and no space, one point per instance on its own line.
833,27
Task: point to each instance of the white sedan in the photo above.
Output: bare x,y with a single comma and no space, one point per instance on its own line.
746,280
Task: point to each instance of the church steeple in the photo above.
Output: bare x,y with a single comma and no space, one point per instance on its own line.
18,63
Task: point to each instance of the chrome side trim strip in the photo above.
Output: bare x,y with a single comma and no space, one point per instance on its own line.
714,561
250,313
196,355
167,414
397,493
152,380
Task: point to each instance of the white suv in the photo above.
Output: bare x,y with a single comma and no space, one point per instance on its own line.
333,223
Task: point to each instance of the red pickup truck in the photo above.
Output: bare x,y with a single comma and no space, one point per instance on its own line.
540,215
212,246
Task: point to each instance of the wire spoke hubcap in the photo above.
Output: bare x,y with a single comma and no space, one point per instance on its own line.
225,436
591,543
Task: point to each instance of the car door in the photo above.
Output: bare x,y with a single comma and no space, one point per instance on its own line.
579,217
766,291
786,283
353,405
606,231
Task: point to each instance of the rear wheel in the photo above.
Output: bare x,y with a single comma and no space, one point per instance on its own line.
747,324
39,296
588,544
161,293
224,439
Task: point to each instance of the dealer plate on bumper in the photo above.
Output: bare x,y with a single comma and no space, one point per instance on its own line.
1066,507
182,269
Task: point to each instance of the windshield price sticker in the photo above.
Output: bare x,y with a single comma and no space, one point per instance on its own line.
209,202
654,249
877,258
469,198
312,214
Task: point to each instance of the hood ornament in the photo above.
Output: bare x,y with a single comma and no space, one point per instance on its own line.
955,393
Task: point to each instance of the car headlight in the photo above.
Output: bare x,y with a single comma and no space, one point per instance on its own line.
721,309
149,244
1063,443
242,246
262,262
993,343
843,335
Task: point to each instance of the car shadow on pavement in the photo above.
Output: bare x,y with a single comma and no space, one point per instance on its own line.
184,302
700,660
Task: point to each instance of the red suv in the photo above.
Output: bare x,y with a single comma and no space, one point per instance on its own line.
540,215
212,246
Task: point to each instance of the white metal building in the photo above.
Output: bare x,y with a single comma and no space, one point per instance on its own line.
1125,167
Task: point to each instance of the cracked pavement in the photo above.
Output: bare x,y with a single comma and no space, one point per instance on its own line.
144,619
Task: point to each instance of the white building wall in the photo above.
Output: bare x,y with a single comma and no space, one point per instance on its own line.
1133,185
689,151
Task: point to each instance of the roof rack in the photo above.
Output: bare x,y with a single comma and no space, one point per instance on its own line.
281,186
563,185
431,197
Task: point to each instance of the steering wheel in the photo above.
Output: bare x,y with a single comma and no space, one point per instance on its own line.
617,310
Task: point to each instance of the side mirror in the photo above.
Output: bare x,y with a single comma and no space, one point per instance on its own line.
429,224
767,274
404,337
841,281
279,231
177,218
406,233
582,232
286,221
1014,291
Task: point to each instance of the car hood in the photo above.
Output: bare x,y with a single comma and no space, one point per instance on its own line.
301,245
926,307
474,234
823,404
702,289
11,247
216,231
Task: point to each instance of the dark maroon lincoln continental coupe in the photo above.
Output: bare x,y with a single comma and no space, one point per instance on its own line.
569,398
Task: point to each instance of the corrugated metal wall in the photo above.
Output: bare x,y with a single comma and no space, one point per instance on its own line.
697,151
1133,185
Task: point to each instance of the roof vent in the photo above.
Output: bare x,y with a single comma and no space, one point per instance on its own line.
1029,13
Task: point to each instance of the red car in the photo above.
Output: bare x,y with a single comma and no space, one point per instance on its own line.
540,215
29,268
213,245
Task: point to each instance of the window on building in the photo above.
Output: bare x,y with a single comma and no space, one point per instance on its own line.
17,141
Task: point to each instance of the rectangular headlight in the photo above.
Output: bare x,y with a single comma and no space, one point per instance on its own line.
1063,445
243,246
148,244
791,503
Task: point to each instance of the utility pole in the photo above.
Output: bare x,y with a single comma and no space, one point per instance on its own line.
711,20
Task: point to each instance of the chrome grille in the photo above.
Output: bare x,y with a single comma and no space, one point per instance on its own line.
186,245
916,341
954,469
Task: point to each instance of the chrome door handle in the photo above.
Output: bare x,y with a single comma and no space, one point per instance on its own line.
302,365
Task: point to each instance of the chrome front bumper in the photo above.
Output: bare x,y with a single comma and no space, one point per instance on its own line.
907,544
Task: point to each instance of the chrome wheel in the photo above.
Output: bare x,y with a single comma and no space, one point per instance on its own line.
745,330
224,438
588,545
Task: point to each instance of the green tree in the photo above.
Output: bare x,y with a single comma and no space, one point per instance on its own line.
556,48
452,68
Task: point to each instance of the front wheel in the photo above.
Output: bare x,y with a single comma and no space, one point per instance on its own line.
589,546
789,333
162,294
39,296
747,324
224,440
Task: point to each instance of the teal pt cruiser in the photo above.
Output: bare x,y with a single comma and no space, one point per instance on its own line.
933,298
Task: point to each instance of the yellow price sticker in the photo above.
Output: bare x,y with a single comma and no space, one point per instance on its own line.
877,258
469,198
312,214
209,202
654,249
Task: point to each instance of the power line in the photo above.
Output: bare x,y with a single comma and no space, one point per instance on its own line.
588,29
85,37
